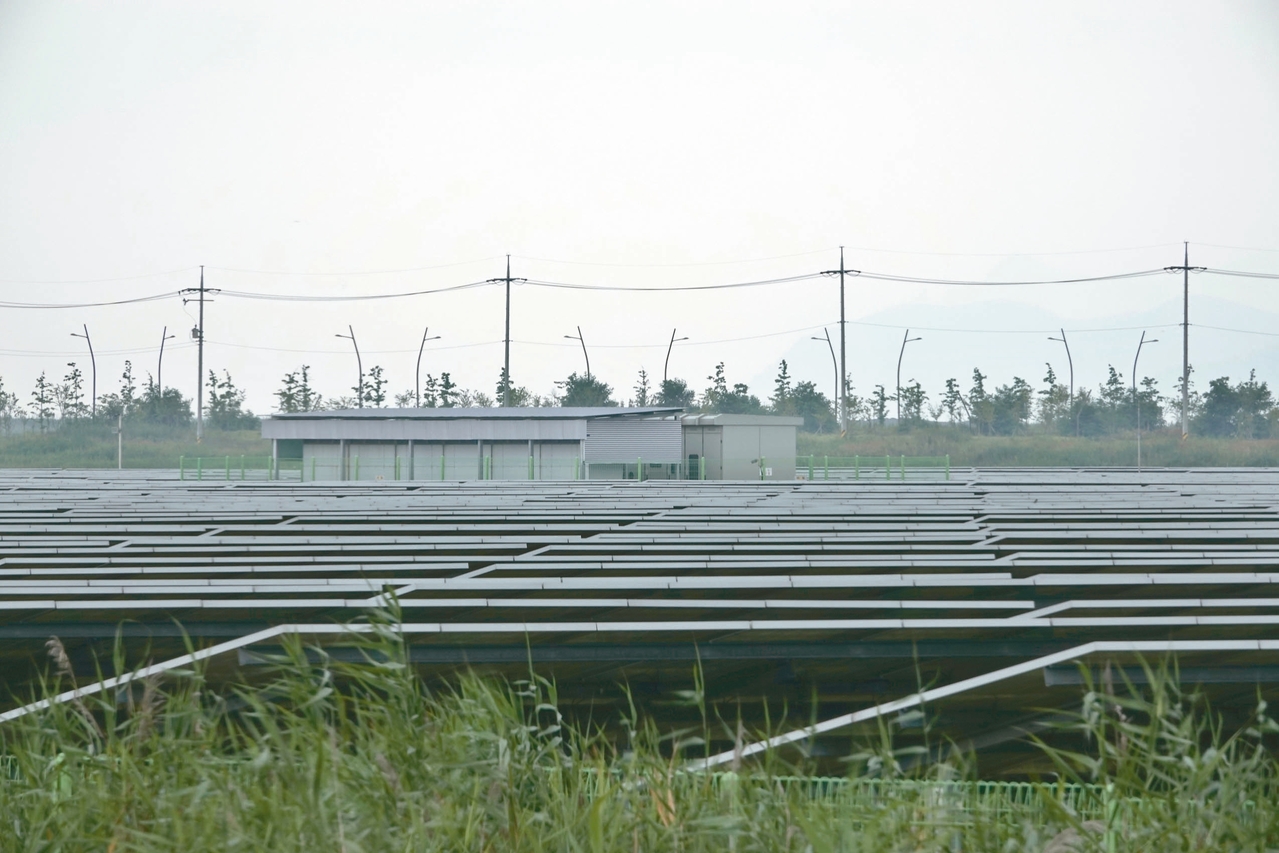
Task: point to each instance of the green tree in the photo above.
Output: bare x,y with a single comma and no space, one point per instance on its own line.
953,403
520,397
805,401
981,408
1054,400
9,408
913,399
781,388
1011,407
879,405
375,388
69,395
585,390
165,407
447,391
226,405
42,401
296,394
642,390
675,392
739,401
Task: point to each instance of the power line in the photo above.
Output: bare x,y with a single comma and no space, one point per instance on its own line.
56,305
94,280
356,272
1025,283
1241,273
286,297
667,265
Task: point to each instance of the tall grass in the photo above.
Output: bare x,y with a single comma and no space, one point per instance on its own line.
93,445
318,755
1158,449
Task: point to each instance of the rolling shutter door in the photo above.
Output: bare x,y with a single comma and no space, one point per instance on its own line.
628,439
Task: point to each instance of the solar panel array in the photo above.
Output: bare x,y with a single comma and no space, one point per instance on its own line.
866,576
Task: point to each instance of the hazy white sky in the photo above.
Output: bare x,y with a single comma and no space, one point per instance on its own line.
291,147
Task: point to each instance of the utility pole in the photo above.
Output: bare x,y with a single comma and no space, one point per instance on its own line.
1071,363
841,402
93,363
198,334
906,339
417,374
1185,269
159,366
506,339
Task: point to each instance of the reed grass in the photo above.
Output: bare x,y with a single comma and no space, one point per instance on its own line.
319,755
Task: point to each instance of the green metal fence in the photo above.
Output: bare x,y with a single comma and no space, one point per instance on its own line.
385,467
814,467
238,468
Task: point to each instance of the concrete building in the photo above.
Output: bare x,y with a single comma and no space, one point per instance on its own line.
741,447
608,443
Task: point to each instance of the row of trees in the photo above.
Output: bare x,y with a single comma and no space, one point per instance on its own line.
1244,409
64,402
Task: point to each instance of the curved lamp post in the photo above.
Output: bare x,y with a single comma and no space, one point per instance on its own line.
93,389
578,337
1072,374
835,362
1136,400
906,339
359,388
417,373
666,365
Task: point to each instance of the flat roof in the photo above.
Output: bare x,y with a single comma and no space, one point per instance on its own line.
741,420
513,412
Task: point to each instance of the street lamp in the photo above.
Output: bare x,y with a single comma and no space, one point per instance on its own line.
93,401
835,362
359,388
578,337
159,367
417,374
669,347
1072,374
906,339
1136,400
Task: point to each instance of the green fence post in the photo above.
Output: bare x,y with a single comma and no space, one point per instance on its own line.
577,468
199,467
442,460
357,468
242,466
701,467
488,468
228,467
182,463
888,467
903,469
639,469
810,466
397,467
530,467
857,467
314,459
826,466
947,466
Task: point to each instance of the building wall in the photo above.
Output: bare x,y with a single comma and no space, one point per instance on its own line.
632,439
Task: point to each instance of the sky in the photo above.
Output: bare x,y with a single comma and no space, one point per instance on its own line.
336,149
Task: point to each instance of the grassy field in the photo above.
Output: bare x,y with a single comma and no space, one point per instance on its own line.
342,757
94,446
1162,449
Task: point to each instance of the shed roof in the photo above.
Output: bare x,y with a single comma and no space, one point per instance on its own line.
741,420
521,413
